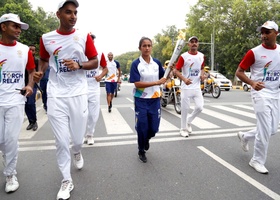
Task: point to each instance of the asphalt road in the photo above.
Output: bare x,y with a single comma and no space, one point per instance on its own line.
209,165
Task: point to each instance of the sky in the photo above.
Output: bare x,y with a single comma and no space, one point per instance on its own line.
119,25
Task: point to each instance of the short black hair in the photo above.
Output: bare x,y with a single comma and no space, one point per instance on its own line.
92,36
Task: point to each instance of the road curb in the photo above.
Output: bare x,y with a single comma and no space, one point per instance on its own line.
236,87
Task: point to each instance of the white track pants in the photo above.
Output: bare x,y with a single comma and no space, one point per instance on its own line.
68,118
267,114
186,96
11,119
93,112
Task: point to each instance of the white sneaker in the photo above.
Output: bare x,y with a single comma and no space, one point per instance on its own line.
189,128
258,167
90,140
184,133
78,160
65,189
11,184
244,144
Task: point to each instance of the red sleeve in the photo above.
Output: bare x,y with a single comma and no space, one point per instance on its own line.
180,63
203,63
30,62
248,60
43,52
90,48
103,62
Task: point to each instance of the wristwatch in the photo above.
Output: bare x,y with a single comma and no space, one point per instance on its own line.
80,66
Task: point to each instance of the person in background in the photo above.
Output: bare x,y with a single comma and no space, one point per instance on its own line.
68,57
12,102
207,75
191,64
94,77
264,64
30,104
113,77
147,75
43,85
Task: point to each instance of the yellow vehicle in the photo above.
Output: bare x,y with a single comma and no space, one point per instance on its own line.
211,86
171,94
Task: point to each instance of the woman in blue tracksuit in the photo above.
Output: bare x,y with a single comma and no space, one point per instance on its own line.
147,75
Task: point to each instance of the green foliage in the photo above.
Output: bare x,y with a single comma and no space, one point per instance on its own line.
126,59
163,47
39,21
233,24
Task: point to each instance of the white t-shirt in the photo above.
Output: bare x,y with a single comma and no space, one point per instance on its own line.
112,71
147,72
13,61
265,68
62,81
93,85
191,66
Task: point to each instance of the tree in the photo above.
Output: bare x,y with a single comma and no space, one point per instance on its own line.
39,21
233,24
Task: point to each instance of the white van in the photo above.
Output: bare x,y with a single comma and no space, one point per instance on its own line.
246,87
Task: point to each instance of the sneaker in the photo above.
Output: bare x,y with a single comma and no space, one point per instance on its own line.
184,133
147,145
90,140
78,160
65,189
258,167
30,126
189,128
35,126
142,157
11,184
243,143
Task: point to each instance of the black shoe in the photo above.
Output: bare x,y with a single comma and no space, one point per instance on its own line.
142,157
30,126
147,145
109,109
35,126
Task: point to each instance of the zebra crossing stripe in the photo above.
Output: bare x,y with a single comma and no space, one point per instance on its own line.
203,124
167,126
245,107
227,118
240,112
115,123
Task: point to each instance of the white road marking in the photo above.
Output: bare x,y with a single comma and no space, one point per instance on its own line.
246,107
227,118
239,112
167,126
115,123
204,124
242,175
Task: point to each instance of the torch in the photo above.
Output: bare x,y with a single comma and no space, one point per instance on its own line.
178,48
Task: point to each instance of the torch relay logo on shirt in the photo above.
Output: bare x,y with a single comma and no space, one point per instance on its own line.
9,77
60,67
272,75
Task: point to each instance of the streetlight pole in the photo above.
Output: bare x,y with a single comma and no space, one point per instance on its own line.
212,50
